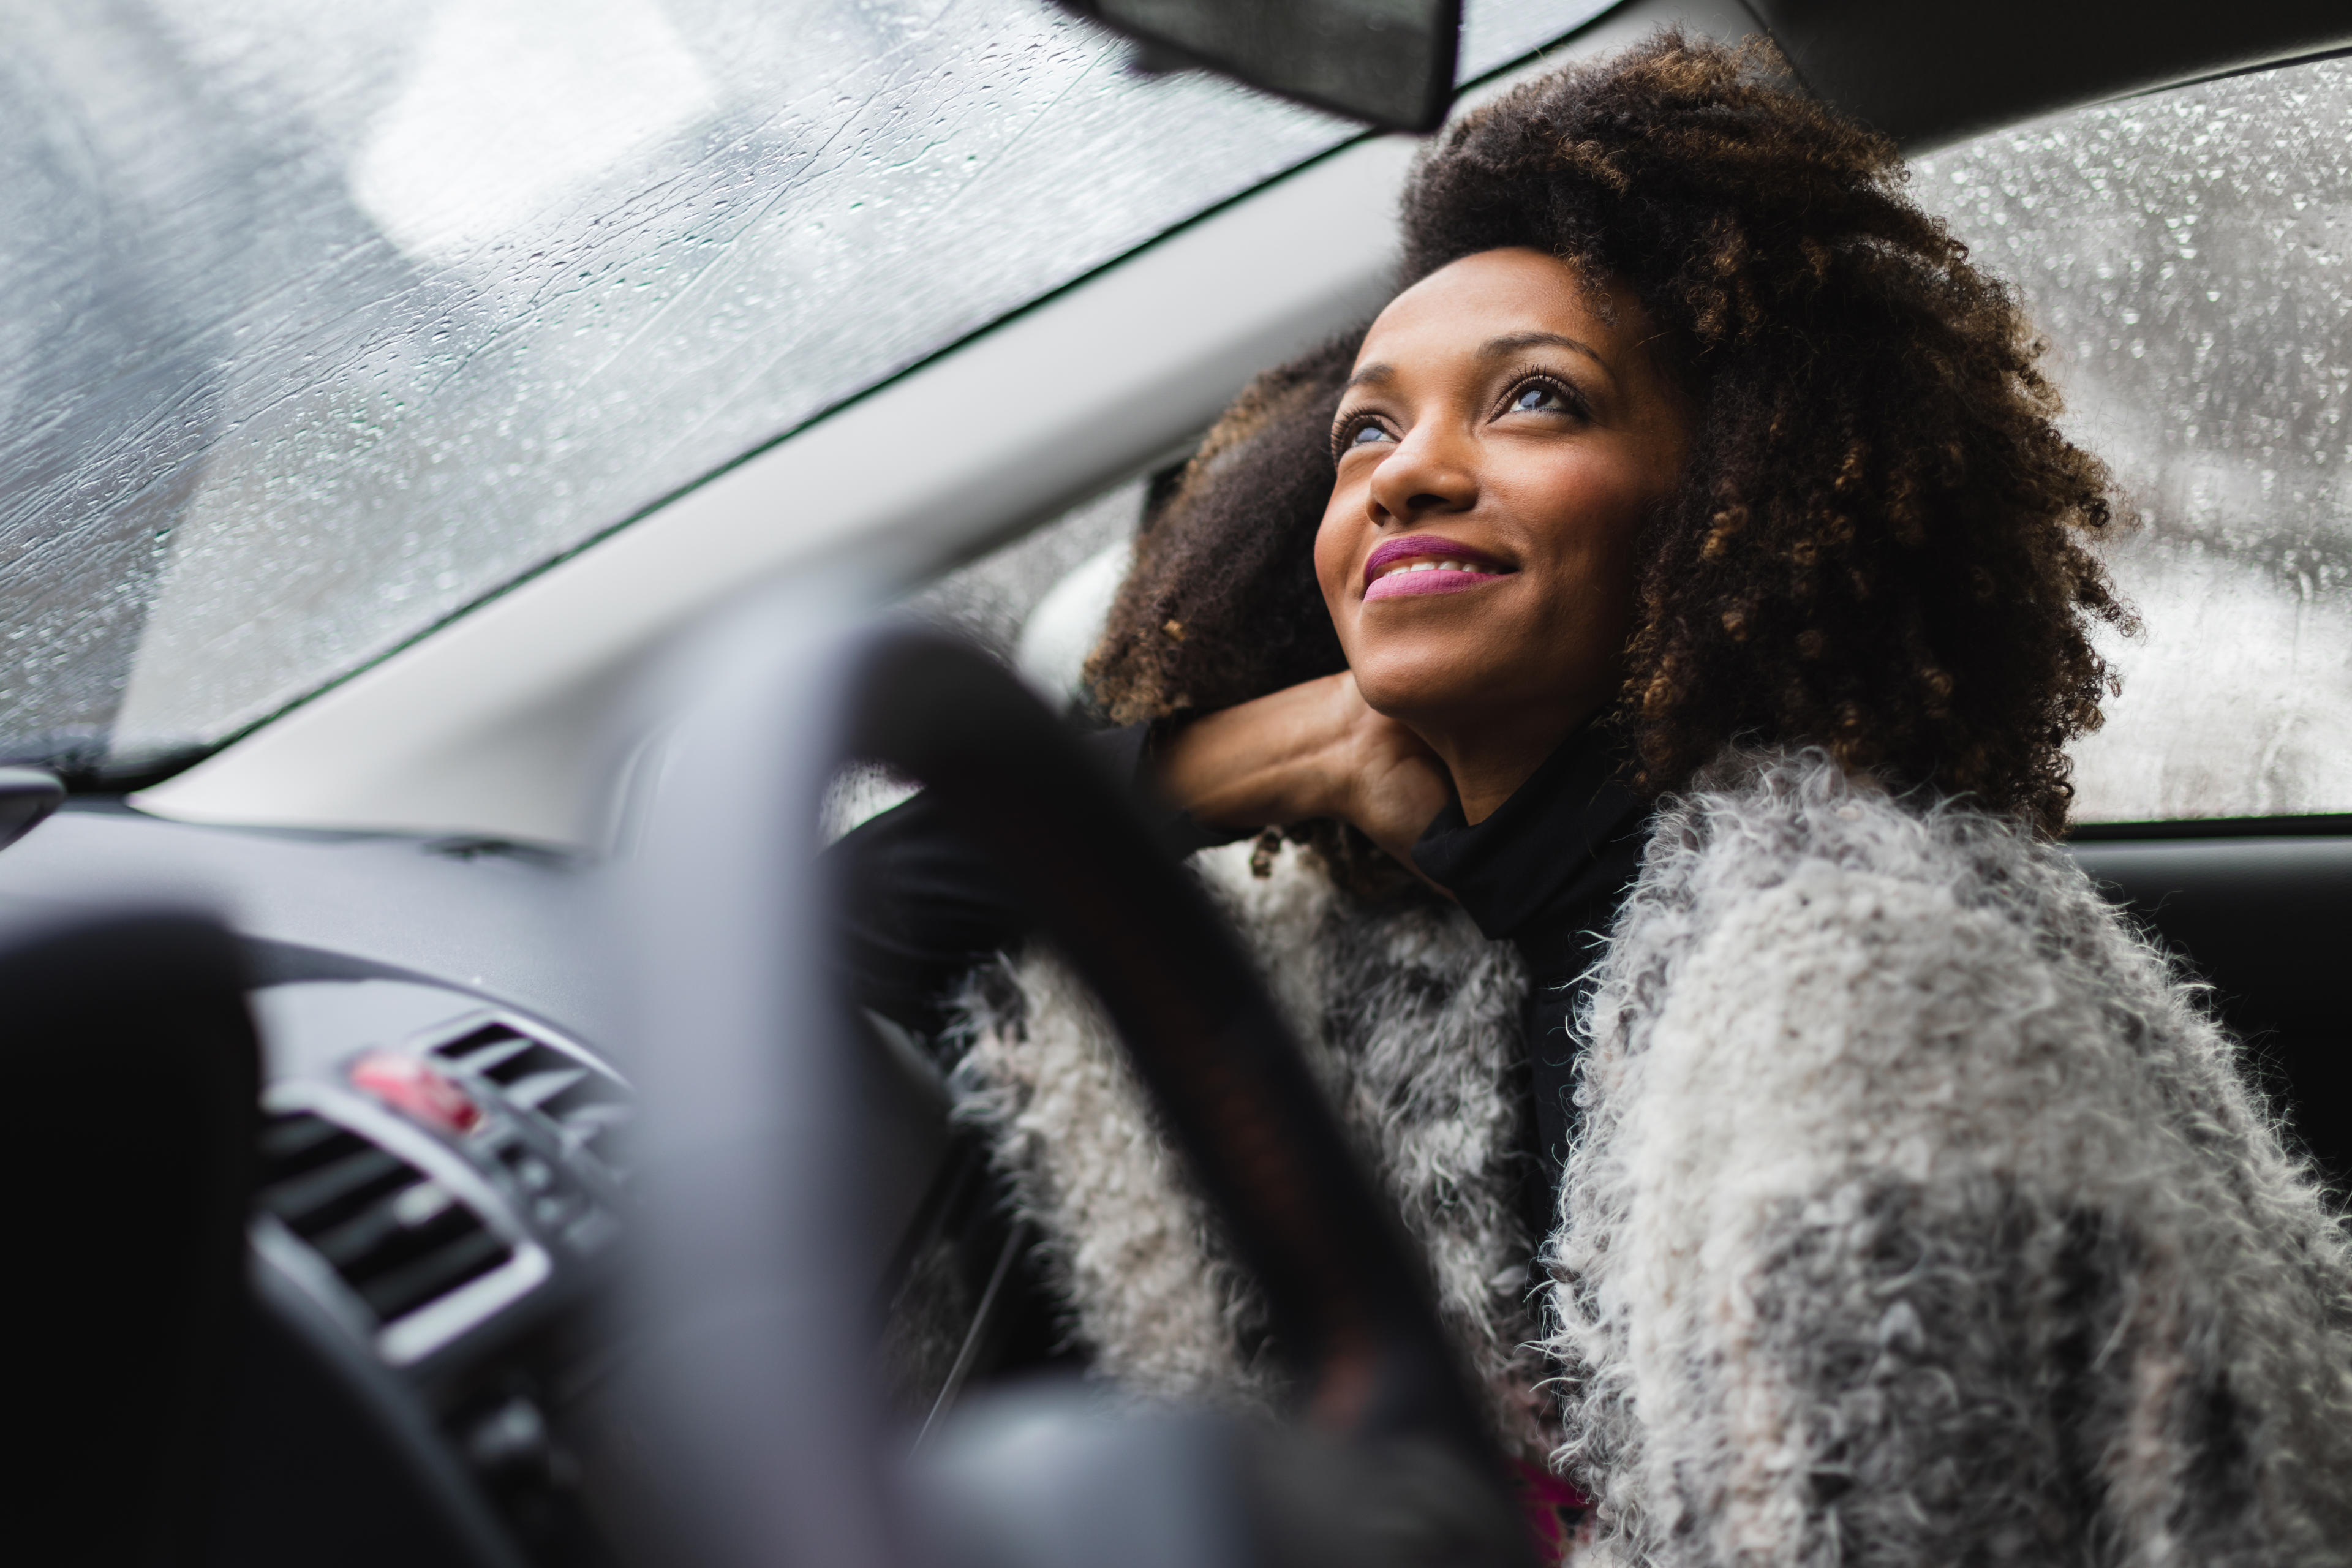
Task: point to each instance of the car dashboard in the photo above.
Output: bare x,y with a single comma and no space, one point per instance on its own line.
438,1192
441,1188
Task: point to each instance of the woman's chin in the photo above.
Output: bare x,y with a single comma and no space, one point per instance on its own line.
1420,693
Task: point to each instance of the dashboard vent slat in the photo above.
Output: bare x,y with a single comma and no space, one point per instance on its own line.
321,1197
292,1144
540,1088
585,1107
464,1257
398,1238
486,1048
355,1242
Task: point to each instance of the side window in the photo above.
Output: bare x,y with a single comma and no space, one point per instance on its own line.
1038,603
2185,253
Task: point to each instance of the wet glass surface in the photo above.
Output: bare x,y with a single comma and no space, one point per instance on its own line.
2186,254
327,320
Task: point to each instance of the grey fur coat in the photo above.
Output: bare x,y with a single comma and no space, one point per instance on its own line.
1919,1215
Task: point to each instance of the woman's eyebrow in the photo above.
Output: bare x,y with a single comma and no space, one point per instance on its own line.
1502,347
1510,343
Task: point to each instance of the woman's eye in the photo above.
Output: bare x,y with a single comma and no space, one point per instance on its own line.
1366,435
1538,398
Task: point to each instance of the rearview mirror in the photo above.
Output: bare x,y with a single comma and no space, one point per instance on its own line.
1387,62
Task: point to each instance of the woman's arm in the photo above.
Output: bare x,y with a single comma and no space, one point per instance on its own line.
1310,750
920,907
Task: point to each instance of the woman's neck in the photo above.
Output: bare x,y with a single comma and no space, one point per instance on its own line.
1489,762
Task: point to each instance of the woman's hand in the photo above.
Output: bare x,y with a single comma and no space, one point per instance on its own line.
1311,750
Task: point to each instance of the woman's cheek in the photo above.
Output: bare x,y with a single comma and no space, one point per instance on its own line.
1334,552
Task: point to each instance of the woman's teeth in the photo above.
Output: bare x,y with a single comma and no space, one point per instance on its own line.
1401,567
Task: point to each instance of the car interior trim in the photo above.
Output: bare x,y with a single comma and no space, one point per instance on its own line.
2327,824
1929,74
415,1336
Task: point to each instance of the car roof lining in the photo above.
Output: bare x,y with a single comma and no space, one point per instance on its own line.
1931,74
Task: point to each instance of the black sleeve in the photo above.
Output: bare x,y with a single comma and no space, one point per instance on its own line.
920,907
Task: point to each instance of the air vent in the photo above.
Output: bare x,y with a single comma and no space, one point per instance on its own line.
586,1108
396,1236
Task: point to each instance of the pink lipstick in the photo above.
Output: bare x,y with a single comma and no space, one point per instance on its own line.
1427,565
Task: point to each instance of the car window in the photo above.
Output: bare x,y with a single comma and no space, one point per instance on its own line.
323,322
994,600
2186,252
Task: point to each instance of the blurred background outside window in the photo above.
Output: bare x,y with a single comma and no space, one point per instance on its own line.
2186,255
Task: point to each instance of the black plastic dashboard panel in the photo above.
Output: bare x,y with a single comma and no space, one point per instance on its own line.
413,1182
438,1190
442,1181
443,1173
503,921
438,1183
2265,919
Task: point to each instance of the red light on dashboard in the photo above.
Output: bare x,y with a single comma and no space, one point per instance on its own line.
418,1090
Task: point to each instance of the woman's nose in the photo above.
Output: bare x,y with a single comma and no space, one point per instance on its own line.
1427,474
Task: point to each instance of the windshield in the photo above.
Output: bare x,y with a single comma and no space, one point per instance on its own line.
324,322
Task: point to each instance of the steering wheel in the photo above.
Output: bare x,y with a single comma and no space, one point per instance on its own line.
133,1072
752,1369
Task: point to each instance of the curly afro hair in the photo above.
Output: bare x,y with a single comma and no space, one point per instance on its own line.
1880,541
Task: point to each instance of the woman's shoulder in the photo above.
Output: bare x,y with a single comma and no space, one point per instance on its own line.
1778,882
1871,981
1818,979
1757,819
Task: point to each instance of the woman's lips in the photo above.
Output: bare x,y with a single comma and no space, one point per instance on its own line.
1403,566
1436,580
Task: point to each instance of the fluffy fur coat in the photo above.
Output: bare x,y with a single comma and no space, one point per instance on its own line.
1920,1213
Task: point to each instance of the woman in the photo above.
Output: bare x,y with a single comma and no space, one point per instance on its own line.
1657,639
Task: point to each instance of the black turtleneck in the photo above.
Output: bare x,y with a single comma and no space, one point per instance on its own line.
1545,872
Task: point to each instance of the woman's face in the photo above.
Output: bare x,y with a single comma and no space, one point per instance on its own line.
1498,447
